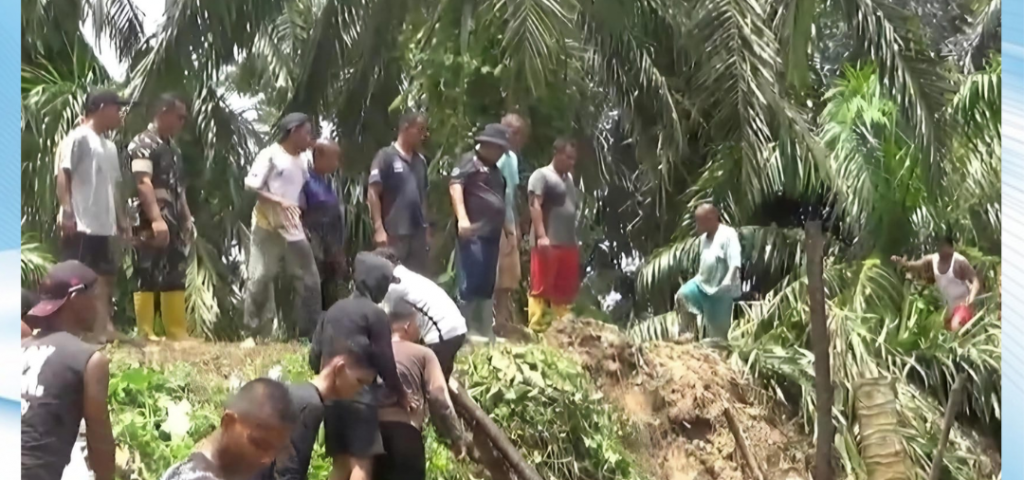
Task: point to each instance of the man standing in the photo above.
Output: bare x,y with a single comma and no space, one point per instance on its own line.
164,221
958,284
63,379
88,188
323,217
277,177
398,194
555,257
509,268
478,198
713,291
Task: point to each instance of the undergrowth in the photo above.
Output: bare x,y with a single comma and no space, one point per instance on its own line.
544,402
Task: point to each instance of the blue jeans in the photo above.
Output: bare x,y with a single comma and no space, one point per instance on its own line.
477,272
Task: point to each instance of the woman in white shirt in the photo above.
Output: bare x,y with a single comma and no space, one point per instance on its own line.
441,324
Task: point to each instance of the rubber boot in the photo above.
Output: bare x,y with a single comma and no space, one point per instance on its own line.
145,314
172,309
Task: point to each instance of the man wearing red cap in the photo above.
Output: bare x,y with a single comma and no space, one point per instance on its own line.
64,380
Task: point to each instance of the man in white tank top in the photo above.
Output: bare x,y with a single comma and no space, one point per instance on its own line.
954,276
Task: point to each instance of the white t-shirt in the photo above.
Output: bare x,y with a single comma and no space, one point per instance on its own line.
281,174
438,313
717,256
95,178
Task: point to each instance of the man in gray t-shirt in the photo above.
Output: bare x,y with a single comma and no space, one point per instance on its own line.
554,255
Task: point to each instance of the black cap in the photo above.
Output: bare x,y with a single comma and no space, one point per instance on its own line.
496,134
63,280
98,99
289,123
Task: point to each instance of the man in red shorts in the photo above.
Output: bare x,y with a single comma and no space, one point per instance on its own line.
554,258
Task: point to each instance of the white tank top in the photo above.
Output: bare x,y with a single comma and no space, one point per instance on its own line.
953,290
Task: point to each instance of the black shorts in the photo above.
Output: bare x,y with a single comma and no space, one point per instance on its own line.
406,457
94,251
351,428
446,351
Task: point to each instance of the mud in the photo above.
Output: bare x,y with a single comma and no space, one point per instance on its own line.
675,395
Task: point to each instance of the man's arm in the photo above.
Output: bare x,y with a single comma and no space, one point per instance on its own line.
98,433
256,180
535,190
734,258
968,275
383,354
439,402
315,352
916,266
69,157
142,169
373,195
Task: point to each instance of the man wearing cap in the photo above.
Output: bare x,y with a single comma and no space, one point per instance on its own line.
509,268
397,196
88,188
64,380
277,176
477,189
164,221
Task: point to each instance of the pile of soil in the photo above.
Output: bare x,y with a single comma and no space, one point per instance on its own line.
676,395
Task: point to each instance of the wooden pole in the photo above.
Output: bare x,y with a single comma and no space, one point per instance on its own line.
484,424
952,406
741,444
820,344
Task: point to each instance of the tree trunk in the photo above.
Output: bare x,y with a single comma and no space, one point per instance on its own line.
465,404
880,443
820,344
952,406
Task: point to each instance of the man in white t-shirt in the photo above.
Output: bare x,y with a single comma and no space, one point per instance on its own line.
712,293
441,324
89,190
277,176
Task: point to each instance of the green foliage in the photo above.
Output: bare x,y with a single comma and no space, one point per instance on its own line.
547,405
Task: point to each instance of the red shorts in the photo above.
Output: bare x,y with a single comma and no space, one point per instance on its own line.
555,273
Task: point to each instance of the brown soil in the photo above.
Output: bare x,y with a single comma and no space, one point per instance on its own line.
675,394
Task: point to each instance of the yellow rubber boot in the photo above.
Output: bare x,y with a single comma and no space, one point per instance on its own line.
540,318
145,313
172,309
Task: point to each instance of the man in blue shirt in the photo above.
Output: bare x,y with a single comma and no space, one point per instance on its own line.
509,267
324,219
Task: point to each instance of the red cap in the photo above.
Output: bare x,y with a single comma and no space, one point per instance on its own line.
63,280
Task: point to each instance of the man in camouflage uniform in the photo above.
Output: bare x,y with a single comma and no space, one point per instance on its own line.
163,224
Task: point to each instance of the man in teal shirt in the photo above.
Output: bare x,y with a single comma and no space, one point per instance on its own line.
509,272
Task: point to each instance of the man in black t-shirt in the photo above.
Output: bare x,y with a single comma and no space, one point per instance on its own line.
64,379
477,189
397,196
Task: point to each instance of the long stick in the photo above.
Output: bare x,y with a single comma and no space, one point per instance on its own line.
952,406
819,342
462,401
741,443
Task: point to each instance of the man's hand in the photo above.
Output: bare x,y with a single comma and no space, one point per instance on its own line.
543,242
901,261
161,236
409,403
465,229
459,450
510,230
187,225
380,237
68,225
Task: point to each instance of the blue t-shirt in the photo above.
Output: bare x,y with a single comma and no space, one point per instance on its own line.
318,192
509,166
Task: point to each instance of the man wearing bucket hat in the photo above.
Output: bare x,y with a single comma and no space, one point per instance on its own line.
277,176
88,189
477,189
64,380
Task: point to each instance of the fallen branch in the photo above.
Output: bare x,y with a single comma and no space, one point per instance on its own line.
741,443
952,406
484,424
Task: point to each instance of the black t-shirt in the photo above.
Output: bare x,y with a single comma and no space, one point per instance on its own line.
293,463
52,397
403,190
196,467
483,194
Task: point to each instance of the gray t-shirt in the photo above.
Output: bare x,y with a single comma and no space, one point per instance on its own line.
558,201
95,178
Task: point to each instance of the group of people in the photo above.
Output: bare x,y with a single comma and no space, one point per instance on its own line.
398,324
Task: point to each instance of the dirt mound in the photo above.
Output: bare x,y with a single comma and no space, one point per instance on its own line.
677,394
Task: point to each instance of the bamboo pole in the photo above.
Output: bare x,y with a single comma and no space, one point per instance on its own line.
952,406
741,443
820,344
484,424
